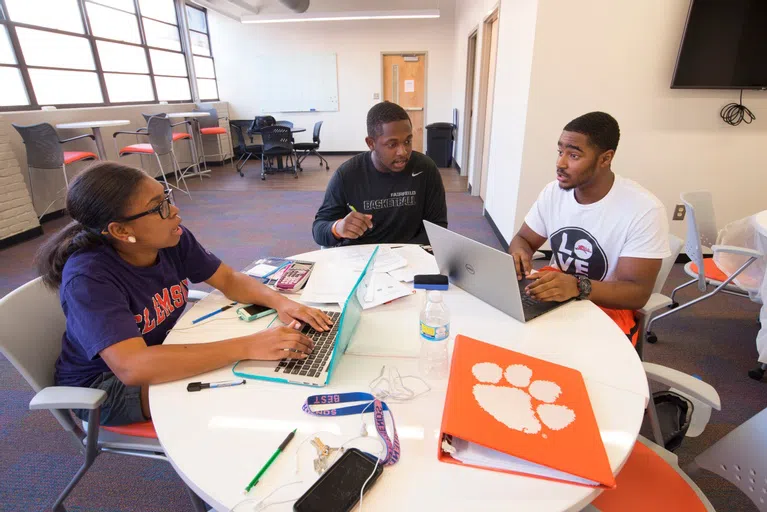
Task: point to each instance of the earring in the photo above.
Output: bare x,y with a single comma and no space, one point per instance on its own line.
132,239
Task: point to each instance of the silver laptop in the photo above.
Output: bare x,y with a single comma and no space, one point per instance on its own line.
329,346
484,272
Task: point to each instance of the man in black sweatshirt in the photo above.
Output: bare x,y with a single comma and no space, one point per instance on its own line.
385,194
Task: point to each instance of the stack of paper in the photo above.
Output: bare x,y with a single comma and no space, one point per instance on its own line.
329,284
386,259
384,288
477,455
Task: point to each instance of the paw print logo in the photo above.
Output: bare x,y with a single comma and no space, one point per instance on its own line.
513,406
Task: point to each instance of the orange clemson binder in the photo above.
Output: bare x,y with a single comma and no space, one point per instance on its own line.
510,412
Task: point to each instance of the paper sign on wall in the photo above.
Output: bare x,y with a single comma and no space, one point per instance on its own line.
409,85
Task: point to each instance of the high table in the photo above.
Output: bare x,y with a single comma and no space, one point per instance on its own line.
193,117
218,439
96,127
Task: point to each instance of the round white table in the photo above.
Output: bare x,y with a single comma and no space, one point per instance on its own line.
218,439
96,127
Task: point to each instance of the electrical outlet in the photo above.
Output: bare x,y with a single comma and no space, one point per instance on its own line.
376,96
679,212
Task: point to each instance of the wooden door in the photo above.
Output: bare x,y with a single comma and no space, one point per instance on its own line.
404,82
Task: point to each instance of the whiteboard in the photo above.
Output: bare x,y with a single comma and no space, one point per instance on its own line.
297,82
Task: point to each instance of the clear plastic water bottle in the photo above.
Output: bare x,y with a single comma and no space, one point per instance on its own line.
435,332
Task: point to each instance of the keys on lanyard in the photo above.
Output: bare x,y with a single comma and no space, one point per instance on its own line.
369,404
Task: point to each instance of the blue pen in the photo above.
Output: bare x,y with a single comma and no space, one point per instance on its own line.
219,310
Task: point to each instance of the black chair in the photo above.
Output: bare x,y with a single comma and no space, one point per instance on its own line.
260,122
242,149
310,148
278,143
289,124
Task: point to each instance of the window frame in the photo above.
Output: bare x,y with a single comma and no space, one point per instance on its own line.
180,26
192,55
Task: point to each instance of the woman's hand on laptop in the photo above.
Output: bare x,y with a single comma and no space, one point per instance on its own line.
279,342
290,311
552,286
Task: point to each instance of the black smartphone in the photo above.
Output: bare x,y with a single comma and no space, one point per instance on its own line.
338,489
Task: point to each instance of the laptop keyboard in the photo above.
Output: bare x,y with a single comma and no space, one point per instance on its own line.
318,360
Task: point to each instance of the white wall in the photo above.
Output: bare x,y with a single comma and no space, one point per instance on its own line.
516,36
619,57
358,45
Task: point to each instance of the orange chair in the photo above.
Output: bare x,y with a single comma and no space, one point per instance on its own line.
159,132
209,125
651,479
702,232
44,151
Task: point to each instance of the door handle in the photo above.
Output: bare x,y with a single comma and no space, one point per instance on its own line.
414,109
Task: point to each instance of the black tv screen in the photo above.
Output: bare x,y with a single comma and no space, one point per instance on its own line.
724,46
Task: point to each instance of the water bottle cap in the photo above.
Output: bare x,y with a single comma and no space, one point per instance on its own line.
435,296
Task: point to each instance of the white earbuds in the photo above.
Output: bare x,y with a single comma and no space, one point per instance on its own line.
392,387
132,239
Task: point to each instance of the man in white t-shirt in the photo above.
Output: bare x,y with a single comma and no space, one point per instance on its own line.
608,235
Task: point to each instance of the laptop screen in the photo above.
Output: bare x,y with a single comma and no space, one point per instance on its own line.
353,307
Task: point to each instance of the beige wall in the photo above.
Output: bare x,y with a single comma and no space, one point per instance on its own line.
358,46
47,183
619,57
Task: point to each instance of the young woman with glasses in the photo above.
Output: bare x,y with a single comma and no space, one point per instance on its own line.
122,268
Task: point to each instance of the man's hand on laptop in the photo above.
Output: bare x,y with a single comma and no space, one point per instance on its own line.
552,286
354,225
522,263
279,342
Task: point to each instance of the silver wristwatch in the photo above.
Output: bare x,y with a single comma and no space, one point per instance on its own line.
584,287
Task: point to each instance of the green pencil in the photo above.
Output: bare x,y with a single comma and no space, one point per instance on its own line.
269,462
352,208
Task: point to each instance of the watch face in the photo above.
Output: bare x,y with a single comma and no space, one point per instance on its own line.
584,286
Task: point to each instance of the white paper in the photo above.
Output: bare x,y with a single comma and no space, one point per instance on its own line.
471,453
413,268
261,270
356,259
409,85
329,284
405,275
384,288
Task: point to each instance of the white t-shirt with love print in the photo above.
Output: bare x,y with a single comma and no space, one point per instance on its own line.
588,239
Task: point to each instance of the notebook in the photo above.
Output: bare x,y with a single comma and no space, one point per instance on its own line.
506,411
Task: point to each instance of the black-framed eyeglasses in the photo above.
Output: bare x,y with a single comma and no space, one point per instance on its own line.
163,209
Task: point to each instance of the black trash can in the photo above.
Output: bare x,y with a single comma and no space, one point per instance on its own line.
439,143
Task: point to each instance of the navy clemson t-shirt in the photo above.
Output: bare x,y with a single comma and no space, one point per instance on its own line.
107,300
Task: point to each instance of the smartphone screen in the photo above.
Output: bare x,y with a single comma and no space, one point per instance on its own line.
255,309
339,488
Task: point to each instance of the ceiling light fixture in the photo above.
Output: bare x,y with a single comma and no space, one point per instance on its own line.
342,16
